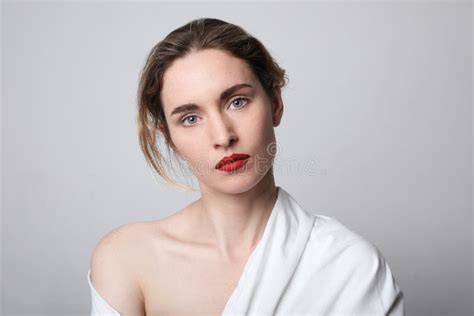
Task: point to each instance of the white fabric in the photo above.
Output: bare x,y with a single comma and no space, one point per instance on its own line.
307,264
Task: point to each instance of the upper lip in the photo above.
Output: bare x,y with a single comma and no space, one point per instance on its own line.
231,158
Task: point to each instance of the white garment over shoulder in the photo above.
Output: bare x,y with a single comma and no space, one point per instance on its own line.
307,264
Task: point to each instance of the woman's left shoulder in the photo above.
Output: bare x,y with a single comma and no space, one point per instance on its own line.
351,253
356,264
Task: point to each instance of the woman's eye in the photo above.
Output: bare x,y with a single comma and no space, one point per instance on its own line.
191,120
238,102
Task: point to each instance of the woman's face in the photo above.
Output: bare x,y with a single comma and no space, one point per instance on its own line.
215,106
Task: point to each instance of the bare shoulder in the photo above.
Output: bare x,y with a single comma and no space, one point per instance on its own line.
128,246
114,270
133,262
118,243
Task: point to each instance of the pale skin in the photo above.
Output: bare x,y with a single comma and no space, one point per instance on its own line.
190,263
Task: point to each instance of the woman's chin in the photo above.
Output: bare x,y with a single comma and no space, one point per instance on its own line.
236,184
233,186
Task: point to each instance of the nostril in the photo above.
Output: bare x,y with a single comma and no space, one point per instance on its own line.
227,142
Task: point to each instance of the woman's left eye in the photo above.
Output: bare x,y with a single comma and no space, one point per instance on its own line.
240,101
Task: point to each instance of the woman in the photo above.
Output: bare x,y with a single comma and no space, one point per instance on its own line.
245,247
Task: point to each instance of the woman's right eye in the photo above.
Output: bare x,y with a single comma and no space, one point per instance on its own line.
187,119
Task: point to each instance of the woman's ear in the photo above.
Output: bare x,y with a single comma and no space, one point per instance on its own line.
162,128
277,107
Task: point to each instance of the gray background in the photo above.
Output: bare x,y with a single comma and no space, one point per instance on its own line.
376,132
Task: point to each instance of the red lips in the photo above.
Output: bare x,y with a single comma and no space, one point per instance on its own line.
230,159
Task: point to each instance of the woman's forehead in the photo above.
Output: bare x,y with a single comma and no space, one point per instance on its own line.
203,75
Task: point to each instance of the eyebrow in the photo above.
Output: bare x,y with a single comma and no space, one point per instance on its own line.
224,95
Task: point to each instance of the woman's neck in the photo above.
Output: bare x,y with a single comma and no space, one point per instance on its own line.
234,223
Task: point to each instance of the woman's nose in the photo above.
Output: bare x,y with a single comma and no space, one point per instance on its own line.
222,132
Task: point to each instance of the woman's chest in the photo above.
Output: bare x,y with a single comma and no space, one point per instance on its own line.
189,286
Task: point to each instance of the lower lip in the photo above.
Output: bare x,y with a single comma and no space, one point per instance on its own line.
229,167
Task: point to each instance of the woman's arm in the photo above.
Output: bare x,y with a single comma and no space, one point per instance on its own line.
112,277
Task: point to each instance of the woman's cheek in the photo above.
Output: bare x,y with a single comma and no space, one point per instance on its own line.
183,145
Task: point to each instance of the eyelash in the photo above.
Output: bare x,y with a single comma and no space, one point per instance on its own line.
238,98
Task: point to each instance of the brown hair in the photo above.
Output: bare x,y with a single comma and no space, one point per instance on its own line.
194,36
